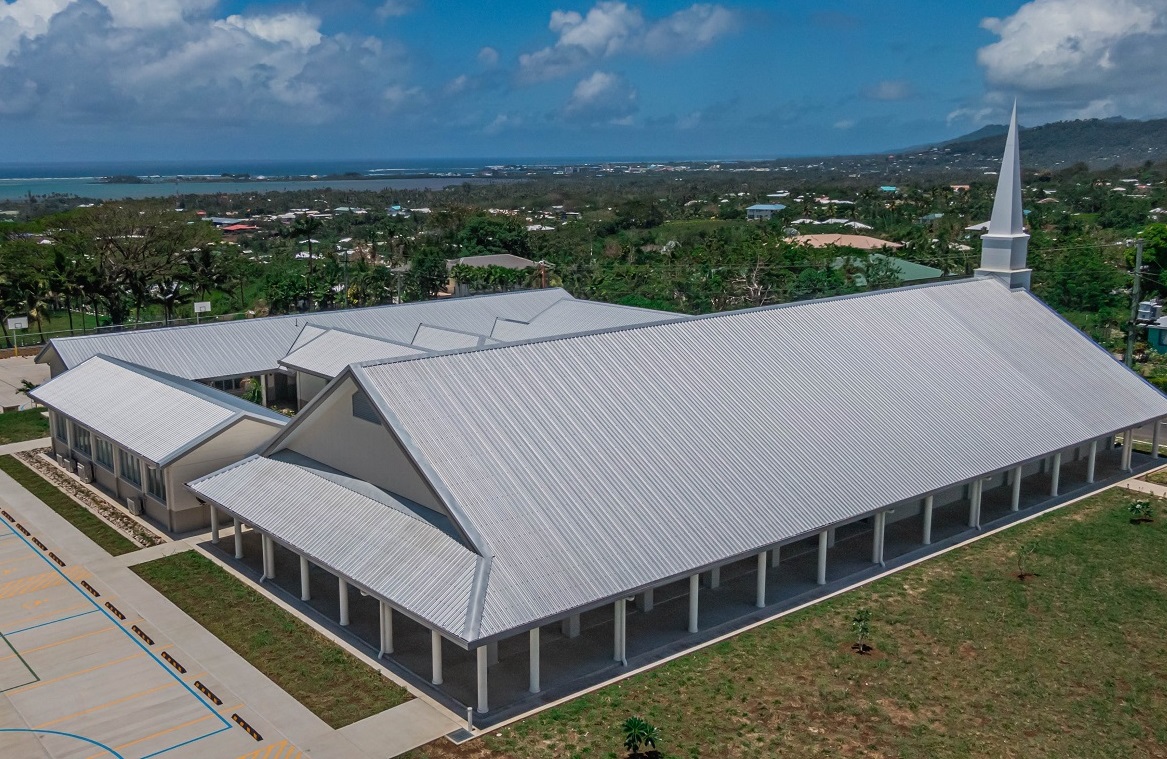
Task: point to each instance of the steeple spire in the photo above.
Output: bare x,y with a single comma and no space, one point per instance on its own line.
1005,246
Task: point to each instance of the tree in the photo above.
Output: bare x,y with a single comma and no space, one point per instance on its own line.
861,626
427,275
491,235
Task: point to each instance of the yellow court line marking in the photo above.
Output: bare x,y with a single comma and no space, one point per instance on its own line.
20,624
34,686
27,651
160,733
31,584
106,705
283,750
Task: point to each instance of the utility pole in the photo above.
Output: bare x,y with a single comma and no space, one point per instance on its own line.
1136,293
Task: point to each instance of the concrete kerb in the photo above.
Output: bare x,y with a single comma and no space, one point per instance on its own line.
477,732
352,650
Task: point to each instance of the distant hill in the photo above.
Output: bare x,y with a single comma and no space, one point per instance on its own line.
1098,142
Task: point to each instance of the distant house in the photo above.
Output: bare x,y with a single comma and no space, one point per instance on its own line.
859,242
763,211
889,188
909,272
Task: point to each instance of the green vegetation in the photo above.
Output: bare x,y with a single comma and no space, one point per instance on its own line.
110,540
18,426
313,670
973,662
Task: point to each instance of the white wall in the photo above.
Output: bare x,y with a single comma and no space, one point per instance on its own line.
309,386
333,436
237,442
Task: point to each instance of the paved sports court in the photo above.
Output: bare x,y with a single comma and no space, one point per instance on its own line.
87,677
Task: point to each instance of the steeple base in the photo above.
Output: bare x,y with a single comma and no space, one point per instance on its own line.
1012,278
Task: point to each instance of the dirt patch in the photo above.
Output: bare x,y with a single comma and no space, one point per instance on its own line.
868,651
99,507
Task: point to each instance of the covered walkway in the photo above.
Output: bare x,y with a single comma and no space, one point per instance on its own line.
589,647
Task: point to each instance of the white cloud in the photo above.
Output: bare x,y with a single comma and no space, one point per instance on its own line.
602,97
392,8
502,122
143,62
612,28
889,89
1068,57
488,57
844,124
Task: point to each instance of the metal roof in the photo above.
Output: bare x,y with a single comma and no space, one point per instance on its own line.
431,338
327,354
566,317
152,415
255,346
644,454
379,546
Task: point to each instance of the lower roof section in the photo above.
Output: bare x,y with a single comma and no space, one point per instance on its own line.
377,545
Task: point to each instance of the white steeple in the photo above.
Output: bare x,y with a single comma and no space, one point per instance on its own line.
1005,246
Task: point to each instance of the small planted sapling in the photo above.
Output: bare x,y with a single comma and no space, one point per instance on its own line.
1023,554
861,626
1140,512
640,734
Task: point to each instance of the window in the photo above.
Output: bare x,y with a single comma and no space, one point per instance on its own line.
130,466
81,440
155,483
62,428
104,450
228,386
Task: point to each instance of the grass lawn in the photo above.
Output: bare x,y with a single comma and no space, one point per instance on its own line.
98,531
316,672
970,662
18,426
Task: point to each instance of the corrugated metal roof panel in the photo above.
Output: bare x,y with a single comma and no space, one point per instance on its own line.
642,454
255,346
386,550
431,338
329,353
152,415
566,318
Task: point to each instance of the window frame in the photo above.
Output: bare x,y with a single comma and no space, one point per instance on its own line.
82,440
128,462
101,444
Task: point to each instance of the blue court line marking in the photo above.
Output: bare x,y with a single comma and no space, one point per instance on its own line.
81,738
55,621
185,743
126,632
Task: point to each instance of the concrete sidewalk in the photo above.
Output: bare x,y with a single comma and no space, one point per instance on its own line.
27,445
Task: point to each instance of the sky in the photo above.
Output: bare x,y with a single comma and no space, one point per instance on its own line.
105,80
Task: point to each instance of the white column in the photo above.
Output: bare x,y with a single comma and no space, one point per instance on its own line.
214,525
1055,476
694,586
775,555
1091,460
483,699
386,629
760,591
715,578
928,503
238,539
342,591
1015,498
645,602
268,560
876,536
436,657
1155,438
619,621
305,577
570,626
1128,444
534,678
263,389
974,504
822,576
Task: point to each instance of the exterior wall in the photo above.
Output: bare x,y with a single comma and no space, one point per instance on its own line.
362,449
309,387
56,365
237,442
